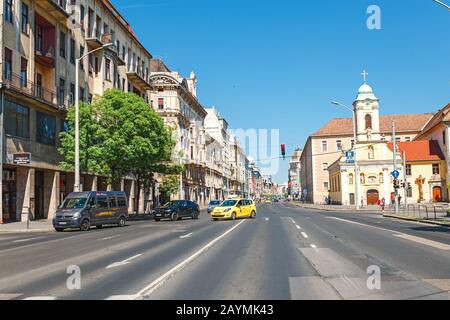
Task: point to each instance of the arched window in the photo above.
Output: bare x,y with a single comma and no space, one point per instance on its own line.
350,179
363,178
381,178
368,121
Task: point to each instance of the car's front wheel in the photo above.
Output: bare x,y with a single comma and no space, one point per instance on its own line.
175,216
253,215
85,225
122,222
233,216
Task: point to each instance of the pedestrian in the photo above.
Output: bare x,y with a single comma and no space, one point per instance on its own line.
383,204
392,199
379,203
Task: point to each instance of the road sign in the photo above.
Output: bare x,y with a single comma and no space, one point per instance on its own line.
350,157
396,174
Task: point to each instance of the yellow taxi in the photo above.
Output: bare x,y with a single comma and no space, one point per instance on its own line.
235,209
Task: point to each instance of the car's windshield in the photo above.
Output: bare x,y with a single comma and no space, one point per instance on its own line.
171,204
214,203
74,203
229,203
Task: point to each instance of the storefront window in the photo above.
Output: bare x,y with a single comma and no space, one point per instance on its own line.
45,128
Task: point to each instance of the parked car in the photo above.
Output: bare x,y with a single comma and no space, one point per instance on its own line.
234,209
81,210
177,210
213,204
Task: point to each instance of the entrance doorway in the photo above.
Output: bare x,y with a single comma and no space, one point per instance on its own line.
372,197
352,199
39,195
9,195
437,194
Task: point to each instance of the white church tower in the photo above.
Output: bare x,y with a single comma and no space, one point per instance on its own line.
367,110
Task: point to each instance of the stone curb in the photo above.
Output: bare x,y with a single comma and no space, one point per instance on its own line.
334,209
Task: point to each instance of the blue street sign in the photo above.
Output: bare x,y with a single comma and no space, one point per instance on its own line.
350,155
396,174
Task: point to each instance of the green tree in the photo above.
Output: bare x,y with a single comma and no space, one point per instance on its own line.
170,185
91,152
134,138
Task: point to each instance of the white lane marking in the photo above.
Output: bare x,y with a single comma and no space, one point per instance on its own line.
148,290
267,219
313,246
431,243
122,263
298,227
109,238
24,240
305,235
41,298
123,297
293,221
365,225
186,236
405,236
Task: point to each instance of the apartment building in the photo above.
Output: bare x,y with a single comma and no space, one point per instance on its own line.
41,41
174,98
294,183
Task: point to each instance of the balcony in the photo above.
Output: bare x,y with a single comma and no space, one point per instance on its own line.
45,42
137,80
56,8
95,40
25,88
46,57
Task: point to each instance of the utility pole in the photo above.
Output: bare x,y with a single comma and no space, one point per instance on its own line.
404,179
394,140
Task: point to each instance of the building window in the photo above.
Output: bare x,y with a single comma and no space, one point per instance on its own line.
398,140
325,166
408,170
324,146
24,72
108,69
72,51
96,66
363,178
350,179
82,94
8,11
408,139
381,178
82,15
45,128
160,103
62,45
368,120
17,119
25,18
326,186
82,60
339,145
444,137
72,94
436,169
62,91
8,64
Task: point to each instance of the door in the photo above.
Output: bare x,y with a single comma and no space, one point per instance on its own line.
372,197
113,215
437,194
241,209
100,211
352,199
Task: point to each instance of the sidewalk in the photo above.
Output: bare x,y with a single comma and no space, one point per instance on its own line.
21,227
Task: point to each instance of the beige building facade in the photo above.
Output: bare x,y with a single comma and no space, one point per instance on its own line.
39,46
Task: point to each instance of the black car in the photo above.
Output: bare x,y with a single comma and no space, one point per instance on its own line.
177,210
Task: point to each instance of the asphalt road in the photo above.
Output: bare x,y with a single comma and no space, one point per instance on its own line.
286,253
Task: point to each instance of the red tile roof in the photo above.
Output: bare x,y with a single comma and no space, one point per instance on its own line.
443,115
420,150
404,123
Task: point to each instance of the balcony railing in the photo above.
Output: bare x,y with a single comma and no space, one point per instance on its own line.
36,91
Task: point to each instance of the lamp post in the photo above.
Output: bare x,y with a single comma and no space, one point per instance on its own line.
442,4
77,186
354,150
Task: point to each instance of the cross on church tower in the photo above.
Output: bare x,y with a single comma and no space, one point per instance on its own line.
364,74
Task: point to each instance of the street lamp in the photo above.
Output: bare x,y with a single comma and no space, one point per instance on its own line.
77,186
442,4
354,150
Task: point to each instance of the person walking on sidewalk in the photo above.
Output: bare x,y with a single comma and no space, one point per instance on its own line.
382,204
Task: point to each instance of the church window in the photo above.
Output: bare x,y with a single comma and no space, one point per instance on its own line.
363,178
408,170
436,169
368,121
350,179
381,179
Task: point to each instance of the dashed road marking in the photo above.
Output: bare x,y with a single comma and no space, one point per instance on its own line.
186,236
298,227
122,263
305,235
24,240
313,246
40,298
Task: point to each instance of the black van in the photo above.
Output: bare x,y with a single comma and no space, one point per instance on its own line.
81,210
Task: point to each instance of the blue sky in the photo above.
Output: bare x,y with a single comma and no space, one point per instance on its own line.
277,64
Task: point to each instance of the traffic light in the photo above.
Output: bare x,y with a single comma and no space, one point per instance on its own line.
396,184
283,151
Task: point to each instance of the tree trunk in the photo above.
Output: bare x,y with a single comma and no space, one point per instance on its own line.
138,196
